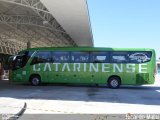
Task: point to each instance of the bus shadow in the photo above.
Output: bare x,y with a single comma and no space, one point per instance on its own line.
145,95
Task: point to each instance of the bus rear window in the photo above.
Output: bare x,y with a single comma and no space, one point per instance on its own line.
140,57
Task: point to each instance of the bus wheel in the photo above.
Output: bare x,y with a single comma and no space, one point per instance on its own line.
35,80
114,82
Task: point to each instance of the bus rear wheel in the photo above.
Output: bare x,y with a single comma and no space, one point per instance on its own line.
114,82
35,80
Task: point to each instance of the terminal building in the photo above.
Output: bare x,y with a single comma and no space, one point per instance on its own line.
42,23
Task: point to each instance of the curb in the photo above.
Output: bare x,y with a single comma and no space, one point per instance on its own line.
20,113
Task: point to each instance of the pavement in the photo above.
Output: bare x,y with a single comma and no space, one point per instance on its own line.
10,107
16,99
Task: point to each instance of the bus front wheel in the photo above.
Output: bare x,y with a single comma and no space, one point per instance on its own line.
35,80
114,82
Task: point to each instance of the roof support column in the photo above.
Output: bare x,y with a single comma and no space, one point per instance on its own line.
29,44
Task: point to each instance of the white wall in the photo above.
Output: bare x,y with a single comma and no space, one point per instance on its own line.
73,17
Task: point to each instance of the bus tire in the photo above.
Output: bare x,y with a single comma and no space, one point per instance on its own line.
114,82
35,80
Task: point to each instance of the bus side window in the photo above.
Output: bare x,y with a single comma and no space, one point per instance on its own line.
41,57
26,57
80,57
119,57
99,57
60,57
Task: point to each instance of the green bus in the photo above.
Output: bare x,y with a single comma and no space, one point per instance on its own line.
88,65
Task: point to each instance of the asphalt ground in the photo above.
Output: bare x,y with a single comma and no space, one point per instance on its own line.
77,99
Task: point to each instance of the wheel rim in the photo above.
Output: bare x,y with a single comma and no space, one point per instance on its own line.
35,81
114,83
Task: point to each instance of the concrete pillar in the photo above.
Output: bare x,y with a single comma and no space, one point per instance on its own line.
28,44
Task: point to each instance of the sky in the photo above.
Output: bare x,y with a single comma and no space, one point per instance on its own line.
125,23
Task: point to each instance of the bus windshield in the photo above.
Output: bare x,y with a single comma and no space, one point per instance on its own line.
20,60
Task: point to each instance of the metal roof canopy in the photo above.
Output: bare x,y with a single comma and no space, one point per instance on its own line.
43,23
73,16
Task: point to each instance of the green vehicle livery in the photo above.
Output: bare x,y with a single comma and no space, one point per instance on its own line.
89,65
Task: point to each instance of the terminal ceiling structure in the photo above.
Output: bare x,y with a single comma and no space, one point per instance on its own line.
43,23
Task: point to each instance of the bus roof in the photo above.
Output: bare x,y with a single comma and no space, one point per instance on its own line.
87,49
